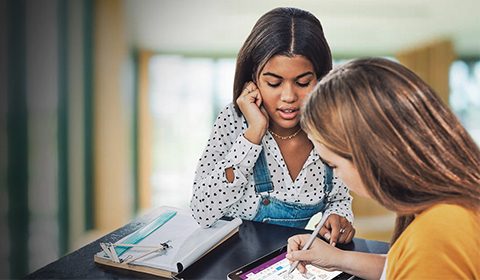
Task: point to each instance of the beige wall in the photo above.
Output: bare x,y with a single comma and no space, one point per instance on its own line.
144,132
372,221
431,61
112,132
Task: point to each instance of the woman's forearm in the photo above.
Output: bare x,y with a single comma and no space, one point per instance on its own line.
364,265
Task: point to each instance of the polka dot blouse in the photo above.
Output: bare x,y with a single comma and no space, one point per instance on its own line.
215,197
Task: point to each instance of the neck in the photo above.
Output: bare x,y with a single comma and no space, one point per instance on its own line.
286,136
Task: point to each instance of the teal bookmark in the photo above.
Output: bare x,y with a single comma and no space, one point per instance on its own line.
145,231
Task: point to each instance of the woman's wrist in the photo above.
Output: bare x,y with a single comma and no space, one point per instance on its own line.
254,135
363,265
341,260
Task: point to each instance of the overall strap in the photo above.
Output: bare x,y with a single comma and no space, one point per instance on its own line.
328,186
261,174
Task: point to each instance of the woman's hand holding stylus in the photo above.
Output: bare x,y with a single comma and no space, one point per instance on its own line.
320,254
250,103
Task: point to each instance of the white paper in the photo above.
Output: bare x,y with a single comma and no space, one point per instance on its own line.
188,241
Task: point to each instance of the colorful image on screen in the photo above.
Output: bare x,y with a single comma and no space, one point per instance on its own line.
277,268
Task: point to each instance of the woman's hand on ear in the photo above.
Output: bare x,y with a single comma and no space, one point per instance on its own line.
250,104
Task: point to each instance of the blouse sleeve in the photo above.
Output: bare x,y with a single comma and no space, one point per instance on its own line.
340,201
227,147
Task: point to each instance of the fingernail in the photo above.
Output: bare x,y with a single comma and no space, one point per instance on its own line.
327,236
333,244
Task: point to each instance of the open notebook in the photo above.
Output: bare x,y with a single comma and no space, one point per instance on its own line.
185,243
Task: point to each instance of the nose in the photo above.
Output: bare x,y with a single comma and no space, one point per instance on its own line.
288,94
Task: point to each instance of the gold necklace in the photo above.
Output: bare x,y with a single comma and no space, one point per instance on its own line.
285,137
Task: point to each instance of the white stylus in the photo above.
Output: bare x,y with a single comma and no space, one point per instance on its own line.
294,265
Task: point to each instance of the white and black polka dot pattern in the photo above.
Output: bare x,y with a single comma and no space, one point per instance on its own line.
214,197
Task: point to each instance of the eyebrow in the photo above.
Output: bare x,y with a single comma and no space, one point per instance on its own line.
280,77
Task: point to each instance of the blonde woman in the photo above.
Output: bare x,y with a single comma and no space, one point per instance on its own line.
389,137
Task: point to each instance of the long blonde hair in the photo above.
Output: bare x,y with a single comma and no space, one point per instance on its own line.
408,147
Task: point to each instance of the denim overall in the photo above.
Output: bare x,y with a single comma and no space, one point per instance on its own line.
275,211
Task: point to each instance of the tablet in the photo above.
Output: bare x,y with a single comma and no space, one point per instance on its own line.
275,266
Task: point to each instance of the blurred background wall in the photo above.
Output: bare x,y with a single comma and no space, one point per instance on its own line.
106,105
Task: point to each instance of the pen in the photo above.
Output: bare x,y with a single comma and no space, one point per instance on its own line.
294,265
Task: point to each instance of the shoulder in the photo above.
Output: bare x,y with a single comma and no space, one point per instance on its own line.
228,124
444,235
442,222
228,113
442,216
229,109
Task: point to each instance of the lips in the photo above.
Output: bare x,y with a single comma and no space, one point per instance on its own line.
288,113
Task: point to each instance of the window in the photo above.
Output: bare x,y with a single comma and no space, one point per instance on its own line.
186,95
465,95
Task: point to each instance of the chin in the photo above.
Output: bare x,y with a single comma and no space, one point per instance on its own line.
288,123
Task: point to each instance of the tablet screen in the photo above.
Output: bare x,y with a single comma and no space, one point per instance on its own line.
276,266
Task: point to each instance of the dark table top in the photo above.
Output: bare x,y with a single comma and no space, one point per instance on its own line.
253,241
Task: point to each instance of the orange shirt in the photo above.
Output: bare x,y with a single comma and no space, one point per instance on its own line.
443,242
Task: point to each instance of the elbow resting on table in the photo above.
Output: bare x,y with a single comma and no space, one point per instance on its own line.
204,222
